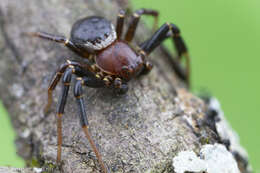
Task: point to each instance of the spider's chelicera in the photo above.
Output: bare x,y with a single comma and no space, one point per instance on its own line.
115,62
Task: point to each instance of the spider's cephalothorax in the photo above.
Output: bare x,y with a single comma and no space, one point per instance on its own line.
93,33
114,61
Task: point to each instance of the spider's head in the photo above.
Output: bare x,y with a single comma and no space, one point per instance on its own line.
93,33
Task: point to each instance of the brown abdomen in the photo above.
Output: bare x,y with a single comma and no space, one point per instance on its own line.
117,56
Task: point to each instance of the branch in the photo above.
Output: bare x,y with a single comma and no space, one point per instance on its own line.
138,132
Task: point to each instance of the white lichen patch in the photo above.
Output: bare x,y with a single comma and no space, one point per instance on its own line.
218,159
212,159
225,131
188,161
37,170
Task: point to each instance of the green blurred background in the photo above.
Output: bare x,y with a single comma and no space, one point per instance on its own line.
223,42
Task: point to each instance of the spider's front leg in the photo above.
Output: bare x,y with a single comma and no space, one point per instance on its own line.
59,39
165,31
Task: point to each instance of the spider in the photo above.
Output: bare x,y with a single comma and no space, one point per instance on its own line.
114,61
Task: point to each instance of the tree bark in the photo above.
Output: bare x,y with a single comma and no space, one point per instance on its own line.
137,132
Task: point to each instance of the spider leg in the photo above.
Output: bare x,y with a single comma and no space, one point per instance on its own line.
78,93
60,108
120,23
165,31
58,39
120,86
147,65
69,68
55,81
135,20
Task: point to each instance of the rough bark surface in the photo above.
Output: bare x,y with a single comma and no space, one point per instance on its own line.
140,131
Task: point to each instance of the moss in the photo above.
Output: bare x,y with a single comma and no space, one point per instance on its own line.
34,163
204,140
49,167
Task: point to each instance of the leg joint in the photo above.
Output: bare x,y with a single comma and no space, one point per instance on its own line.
117,82
67,76
78,89
136,15
121,14
174,29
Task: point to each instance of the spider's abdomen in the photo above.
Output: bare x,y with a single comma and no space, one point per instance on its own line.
120,59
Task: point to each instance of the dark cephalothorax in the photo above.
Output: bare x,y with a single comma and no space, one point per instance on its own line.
114,61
